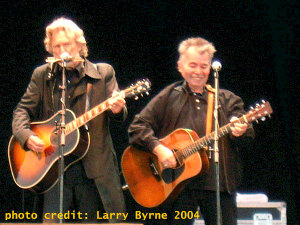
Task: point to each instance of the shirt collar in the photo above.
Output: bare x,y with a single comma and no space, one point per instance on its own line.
186,87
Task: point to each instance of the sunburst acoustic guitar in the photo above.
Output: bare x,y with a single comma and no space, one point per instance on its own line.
39,171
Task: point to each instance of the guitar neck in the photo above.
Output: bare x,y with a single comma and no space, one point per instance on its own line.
86,117
260,111
134,90
208,139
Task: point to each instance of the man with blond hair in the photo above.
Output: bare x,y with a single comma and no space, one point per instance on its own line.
184,104
94,178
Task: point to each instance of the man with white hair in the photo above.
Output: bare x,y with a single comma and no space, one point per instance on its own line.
184,104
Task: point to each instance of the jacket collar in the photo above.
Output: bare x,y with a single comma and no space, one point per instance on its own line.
86,68
90,69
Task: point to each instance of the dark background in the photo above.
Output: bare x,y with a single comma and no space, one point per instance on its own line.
256,43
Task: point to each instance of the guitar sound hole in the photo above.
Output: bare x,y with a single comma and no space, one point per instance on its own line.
169,175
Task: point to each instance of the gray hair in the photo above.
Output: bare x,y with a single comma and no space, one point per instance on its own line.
203,45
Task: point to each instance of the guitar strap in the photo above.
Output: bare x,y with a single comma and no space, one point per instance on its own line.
89,93
210,107
88,96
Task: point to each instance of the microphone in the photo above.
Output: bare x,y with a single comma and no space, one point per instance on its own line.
65,57
216,65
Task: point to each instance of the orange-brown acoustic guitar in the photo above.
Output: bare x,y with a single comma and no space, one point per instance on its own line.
151,185
39,171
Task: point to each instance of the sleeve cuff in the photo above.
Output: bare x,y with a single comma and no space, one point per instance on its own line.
23,136
153,144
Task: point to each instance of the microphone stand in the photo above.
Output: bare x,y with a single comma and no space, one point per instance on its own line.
65,57
62,137
216,145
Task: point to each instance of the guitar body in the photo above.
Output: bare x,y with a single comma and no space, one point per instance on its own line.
39,171
149,183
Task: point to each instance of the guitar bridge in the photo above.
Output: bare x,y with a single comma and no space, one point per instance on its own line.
154,170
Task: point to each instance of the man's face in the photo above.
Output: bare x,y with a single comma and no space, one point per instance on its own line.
62,43
195,68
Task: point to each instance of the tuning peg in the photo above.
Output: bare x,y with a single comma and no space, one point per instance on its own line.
269,115
263,101
147,93
256,121
263,118
136,98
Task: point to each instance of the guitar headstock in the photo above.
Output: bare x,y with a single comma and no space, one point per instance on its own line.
139,88
259,112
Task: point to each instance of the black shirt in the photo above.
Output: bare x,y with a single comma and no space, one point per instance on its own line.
72,79
193,116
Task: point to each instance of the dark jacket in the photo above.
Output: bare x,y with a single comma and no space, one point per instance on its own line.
159,118
38,104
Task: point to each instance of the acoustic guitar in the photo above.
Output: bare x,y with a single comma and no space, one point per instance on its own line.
152,185
38,172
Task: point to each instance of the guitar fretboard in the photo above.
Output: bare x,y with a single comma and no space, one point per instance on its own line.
206,140
86,117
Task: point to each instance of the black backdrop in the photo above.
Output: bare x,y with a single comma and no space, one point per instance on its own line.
256,43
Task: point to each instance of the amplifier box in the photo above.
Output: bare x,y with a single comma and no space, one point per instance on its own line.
262,213
258,213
